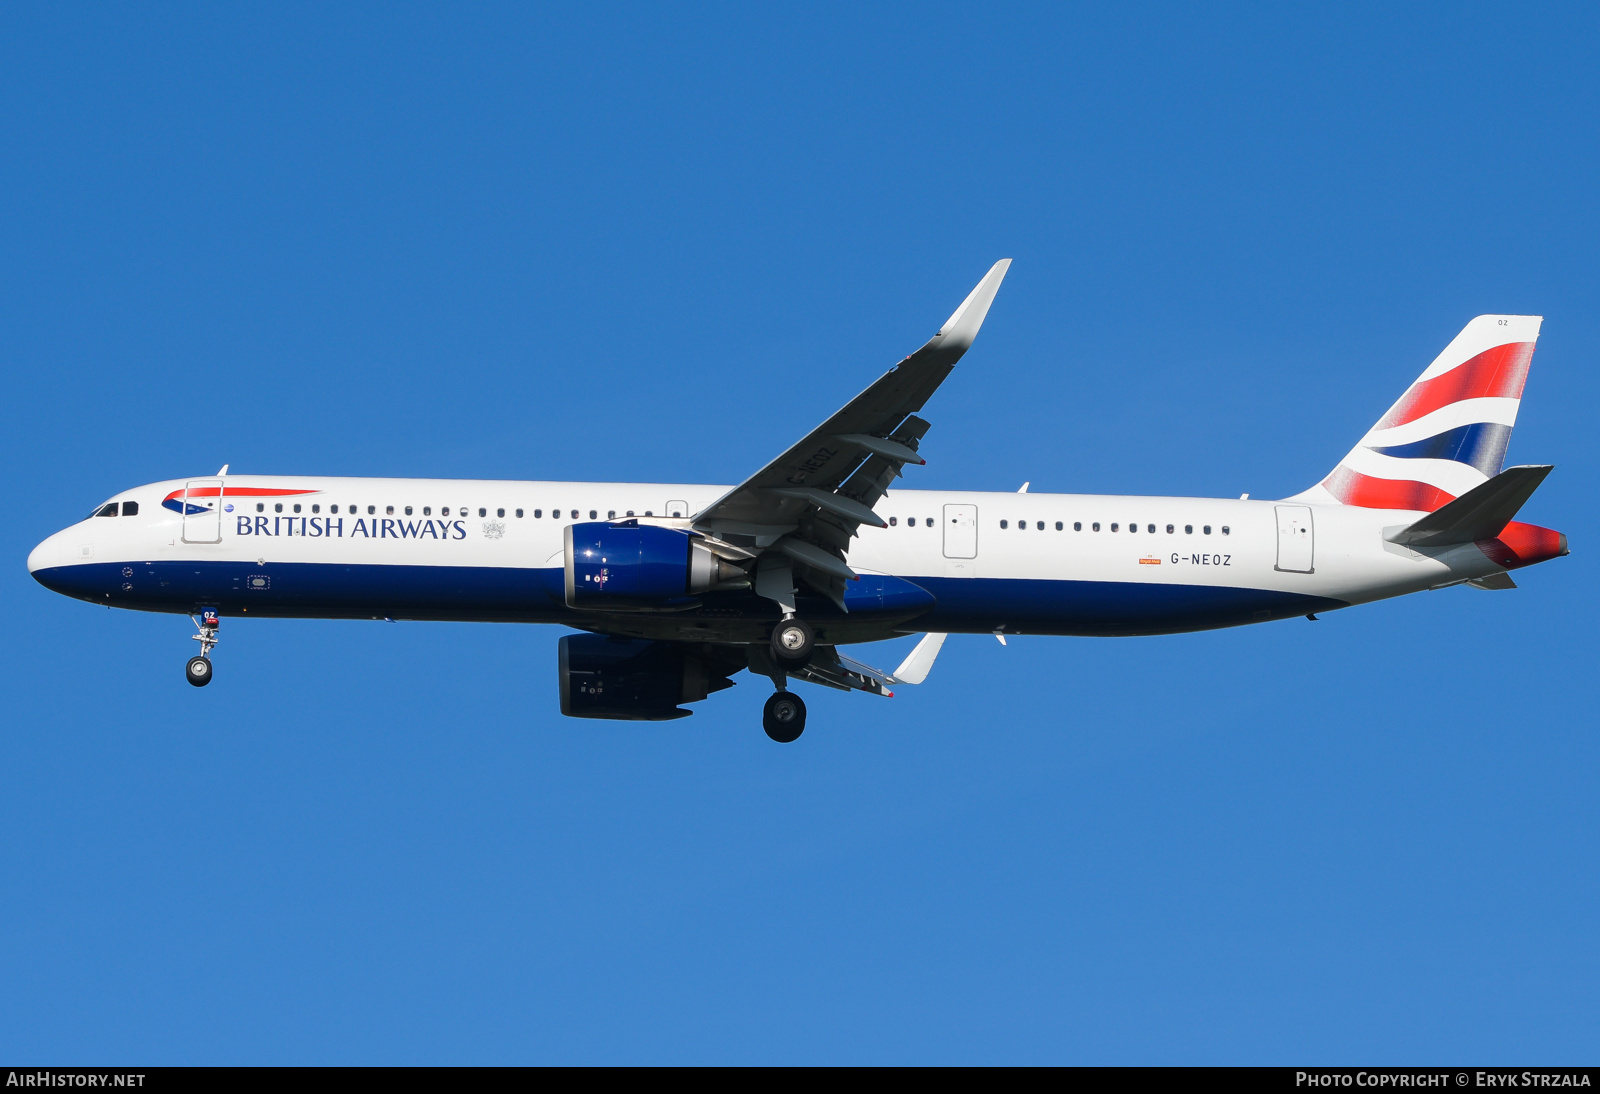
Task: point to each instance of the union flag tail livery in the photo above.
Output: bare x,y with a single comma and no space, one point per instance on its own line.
1448,433
675,589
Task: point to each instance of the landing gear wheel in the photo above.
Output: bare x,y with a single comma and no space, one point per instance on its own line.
198,671
792,643
784,717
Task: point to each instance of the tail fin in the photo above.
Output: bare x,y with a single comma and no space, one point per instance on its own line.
1448,433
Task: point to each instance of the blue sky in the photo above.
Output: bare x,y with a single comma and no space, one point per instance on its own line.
621,243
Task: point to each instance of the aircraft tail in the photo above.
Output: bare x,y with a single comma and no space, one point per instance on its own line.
1448,433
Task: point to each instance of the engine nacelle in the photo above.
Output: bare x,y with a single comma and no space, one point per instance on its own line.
626,566
632,679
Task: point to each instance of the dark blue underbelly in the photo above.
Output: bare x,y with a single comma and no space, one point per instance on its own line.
499,594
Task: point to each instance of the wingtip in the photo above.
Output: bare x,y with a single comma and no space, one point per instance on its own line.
963,325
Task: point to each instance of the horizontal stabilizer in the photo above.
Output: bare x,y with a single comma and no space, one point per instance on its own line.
1480,513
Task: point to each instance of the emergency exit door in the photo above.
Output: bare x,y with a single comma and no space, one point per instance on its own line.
1296,540
202,511
960,531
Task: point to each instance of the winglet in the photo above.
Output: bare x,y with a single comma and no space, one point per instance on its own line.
914,669
961,328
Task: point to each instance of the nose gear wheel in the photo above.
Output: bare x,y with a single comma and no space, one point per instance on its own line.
198,670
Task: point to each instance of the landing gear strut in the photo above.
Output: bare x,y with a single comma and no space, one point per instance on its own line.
198,670
784,717
792,642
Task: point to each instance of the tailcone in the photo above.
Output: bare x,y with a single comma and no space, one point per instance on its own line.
1520,545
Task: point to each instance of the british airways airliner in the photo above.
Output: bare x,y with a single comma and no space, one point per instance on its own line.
677,588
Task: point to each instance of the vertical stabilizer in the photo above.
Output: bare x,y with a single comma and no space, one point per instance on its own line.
1448,433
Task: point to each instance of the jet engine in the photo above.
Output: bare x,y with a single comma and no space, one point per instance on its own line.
626,566
632,679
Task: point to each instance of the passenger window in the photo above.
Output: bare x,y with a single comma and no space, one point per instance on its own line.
427,511
928,522
502,512
1041,526
408,510
1113,526
130,508
574,514
1151,529
1002,524
893,521
1224,529
648,513
332,509
611,514
593,513
277,507
260,507
316,508
1096,526
484,512
1206,529
1133,527
1077,526
297,507
1188,529
1058,526
1169,529
371,509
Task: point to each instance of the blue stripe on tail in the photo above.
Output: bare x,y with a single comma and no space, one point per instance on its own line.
1482,445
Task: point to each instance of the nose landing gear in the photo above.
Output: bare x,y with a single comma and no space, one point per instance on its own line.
198,670
784,717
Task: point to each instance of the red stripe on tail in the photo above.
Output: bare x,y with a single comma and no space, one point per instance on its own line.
1354,488
1497,373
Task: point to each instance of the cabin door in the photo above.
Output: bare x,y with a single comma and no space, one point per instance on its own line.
202,511
960,531
1296,541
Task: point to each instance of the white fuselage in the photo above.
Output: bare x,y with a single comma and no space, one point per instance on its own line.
1008,562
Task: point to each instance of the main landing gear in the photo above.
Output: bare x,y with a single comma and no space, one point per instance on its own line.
784,717
792,642
198,670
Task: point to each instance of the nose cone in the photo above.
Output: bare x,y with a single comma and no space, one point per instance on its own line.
47,562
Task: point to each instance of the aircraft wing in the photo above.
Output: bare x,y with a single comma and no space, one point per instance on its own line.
808,503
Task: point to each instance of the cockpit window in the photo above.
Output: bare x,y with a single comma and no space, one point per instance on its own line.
130,508
109,509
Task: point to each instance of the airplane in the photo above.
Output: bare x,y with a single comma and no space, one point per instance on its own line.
675,588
